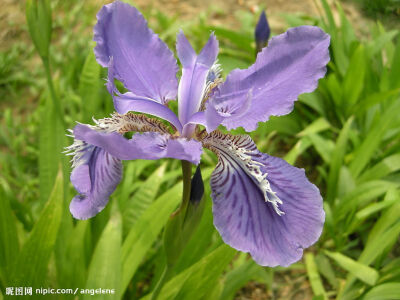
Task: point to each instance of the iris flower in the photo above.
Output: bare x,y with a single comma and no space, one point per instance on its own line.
261,204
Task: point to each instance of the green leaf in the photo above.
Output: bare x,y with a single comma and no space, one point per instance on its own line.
365,151
384,230
363,272
313,275
323,146
385,167
362,195
194,282
377,44
51,137
374,208
240,40
316,126
143,197
353,83
72,265
89,87
146,230
386,291
326,270
238,277
302,145
337,160
384,233
9,246
394,72
31,265
105,267
373,99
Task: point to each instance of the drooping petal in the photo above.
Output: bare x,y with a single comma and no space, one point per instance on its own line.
261,204
142,61
95,176
291,65
148,145
194,74
126,102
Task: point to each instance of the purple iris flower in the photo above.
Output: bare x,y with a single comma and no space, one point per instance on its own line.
261,204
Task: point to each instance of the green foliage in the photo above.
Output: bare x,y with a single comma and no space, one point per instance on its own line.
346,134
30,267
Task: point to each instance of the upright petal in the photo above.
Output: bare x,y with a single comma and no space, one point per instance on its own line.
291,65
142,61
261,204
129,101
148,145
194,74
95,176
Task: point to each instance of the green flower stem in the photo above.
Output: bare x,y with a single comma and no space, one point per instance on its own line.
187,177
53,94
179,214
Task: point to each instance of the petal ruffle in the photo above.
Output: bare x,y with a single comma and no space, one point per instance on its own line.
95,176
142,61
291,65
261,204
148,145
194,74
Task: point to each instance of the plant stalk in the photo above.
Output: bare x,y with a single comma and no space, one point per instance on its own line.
181,211
53,94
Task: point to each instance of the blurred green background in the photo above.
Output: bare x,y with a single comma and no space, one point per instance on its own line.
346,135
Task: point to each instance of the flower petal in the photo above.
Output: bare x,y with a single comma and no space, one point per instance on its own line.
95,176
261,204
126,102
194,74
291,65
148,145
142,61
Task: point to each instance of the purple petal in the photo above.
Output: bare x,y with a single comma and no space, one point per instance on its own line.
194,74
95,177
290,65
142,61
261,204
148,145
126,102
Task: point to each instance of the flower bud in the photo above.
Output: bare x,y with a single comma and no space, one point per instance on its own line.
38,16
262,32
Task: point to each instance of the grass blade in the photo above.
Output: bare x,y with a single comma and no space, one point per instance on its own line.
361,271
313,275
31,266
386,291
9,246
146,230
105,267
